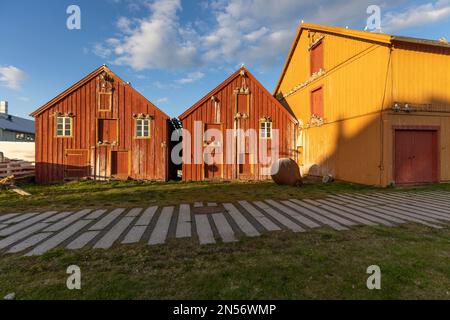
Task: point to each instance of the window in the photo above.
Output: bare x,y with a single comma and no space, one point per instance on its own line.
63,126
143,128
317,58
20,136
266,130
104,101
317,103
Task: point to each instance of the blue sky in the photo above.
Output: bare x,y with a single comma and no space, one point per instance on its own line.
174,51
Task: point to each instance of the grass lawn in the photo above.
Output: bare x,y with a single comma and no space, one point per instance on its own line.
91,194
323,264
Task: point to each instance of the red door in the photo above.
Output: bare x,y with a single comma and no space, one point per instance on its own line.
120,163
416,156
213,151
244,166
76,164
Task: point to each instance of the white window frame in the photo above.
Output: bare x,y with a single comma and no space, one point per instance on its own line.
265,130
140,128
63,132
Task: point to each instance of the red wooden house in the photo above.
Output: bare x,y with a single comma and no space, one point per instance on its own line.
101,128
236,106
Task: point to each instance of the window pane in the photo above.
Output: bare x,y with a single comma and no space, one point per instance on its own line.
67,133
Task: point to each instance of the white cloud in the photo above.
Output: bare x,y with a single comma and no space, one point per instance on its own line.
162,100
155,42
12,77
231,32
417,16
102,51
191,77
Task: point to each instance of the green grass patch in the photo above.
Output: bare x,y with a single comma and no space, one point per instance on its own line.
323,264
90,194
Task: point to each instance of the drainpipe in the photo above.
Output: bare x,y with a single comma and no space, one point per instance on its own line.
389,70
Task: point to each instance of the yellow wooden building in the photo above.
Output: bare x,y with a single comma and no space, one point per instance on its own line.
373,108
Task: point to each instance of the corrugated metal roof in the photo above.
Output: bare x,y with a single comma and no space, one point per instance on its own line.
422,41
13,123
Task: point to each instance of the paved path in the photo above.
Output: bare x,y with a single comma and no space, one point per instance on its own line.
35,233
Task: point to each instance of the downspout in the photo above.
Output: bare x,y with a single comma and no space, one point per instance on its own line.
388,71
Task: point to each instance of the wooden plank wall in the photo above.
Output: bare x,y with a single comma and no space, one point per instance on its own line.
148,157
262,104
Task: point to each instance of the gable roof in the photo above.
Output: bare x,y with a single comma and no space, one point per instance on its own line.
79,84
17,124
226,83
357,34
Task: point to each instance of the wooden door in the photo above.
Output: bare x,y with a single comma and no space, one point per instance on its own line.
76,164
212,151
317,58
120,164
416,156
244,166
108,132
317,108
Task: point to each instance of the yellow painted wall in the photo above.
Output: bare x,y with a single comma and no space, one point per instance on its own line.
348,144
421,75
362,81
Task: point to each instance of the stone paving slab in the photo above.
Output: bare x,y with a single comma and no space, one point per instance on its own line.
382,215
29,222
279,217
343,209
354,200
259,216
114,233
303,220
107,220
21,235
338,212
134,235
22,217
224,228
134,212
30,242
8,216
58,216
95,215
184,225
82,240
41,232
59,238
67,221
204,230
423,204
324,220
324,213
241,221
147,216
161,230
